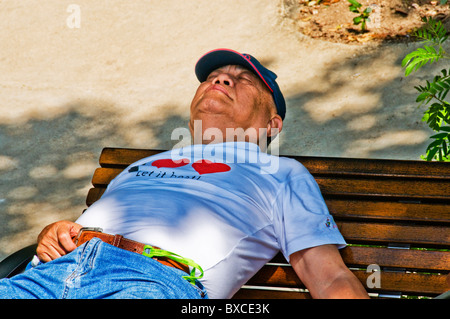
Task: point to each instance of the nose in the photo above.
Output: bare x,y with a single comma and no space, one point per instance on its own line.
224,79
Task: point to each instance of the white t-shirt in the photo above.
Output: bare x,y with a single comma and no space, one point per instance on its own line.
228,206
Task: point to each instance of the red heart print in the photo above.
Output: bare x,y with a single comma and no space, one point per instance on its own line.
167,162
207,167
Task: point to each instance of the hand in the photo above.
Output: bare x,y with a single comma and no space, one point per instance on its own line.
55,240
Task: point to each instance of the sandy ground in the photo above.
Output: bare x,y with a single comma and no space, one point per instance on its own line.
124,78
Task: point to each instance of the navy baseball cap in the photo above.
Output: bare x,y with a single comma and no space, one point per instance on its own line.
220,57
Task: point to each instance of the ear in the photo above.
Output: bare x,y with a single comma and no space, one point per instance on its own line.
275,123
190,127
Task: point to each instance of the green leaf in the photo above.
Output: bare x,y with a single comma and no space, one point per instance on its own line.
436,86
357,20
423,96
434,144
445,128
432,153
432,32
418,58
439,136
445,149
355,3
430,50
443,94
444,84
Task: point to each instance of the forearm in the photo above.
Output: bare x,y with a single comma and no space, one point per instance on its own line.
344,285
324,273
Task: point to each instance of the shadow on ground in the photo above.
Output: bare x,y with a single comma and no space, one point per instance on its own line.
46,165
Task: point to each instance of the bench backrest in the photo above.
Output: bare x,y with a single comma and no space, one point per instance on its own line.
394,214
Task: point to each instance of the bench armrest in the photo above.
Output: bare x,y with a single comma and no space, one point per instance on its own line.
17,262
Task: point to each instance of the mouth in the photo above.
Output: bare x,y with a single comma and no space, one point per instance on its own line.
216,87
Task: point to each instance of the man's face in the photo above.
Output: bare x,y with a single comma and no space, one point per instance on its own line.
233,97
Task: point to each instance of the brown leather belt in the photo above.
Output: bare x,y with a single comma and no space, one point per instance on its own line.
121,242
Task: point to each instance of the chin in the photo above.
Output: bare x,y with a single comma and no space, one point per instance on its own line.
215,107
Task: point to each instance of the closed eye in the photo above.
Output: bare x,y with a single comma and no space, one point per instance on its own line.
211,76
246,78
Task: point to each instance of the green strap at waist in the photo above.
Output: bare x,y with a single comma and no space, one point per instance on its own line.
151,252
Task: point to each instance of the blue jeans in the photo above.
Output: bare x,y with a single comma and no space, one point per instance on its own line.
99,270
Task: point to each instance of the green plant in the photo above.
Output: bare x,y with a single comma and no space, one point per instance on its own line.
433,34
364,16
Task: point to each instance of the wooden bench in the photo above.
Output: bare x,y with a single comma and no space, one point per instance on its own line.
394,214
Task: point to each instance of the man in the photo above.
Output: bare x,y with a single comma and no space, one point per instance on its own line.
215,204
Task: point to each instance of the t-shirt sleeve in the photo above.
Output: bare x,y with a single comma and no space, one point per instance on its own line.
302,219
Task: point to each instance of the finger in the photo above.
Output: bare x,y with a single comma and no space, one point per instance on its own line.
47,253
75,229
45,258
66,242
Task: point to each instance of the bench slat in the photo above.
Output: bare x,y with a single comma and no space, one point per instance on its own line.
387,188
245,293
120,158
94,195
284,276
410,259
389,211
103,176
381,233
407,259
374,167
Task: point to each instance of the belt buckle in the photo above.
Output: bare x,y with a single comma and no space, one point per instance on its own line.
96,229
